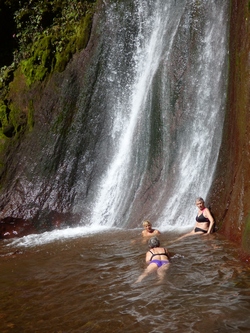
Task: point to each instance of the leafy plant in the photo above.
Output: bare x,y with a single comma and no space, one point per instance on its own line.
52,27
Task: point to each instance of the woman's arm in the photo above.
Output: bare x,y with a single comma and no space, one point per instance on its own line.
168,254
148,257
211,220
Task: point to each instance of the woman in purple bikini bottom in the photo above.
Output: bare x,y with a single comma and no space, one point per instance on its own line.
157,258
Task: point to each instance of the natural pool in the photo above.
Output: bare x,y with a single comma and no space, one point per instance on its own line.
86,284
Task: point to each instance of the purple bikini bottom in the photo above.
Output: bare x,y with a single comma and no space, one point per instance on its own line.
159,263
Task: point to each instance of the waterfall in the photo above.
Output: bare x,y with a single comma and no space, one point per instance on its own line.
165,82
121,179
132,128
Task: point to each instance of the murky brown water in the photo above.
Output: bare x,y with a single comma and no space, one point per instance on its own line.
86,285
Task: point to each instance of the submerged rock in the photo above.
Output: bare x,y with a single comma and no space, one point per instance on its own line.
15,227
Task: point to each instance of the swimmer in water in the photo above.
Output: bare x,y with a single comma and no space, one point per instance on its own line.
157,258
148,230
204,221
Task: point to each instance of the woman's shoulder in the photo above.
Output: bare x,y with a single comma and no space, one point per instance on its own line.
160,249
206,211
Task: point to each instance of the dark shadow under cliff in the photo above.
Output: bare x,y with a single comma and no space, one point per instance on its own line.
230,192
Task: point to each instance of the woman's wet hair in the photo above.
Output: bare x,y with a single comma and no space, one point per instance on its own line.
146,222
199,199
153,242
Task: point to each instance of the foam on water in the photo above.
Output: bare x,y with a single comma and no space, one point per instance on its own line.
56,235
78,232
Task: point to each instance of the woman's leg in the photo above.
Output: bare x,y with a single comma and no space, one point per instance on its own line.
150,269
161,271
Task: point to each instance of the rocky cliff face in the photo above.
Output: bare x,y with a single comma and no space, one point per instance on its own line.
230,192
38,112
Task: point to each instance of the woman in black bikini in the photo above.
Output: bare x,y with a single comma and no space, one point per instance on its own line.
204,221
157,258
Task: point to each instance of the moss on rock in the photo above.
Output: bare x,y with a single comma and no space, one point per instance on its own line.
47,35
41,61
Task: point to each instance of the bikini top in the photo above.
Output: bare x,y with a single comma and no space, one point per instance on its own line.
201,218
158,254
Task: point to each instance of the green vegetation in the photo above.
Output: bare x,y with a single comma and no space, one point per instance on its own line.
40,39
47,34
53,32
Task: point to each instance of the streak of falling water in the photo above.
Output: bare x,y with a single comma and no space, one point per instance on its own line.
147,55
181,47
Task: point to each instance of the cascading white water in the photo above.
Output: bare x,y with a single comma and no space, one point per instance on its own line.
159,28
146,57
200,141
